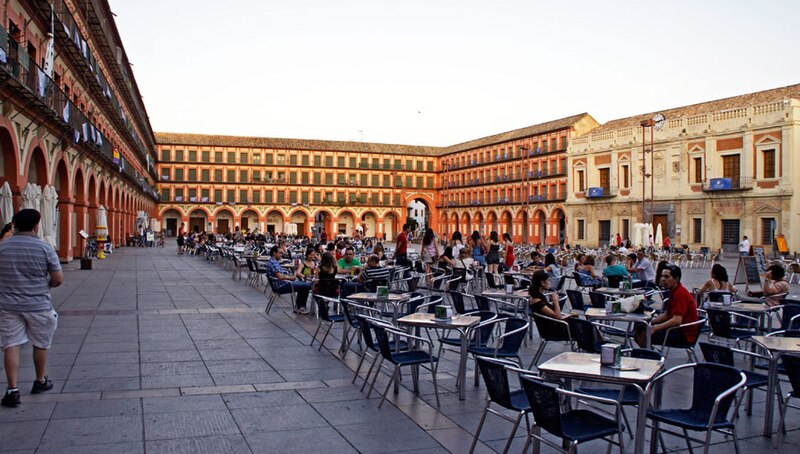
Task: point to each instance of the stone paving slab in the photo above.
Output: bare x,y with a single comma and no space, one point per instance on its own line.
163,353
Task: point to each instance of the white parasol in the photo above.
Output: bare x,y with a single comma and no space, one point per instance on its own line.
102,217
6,204
659,238
636,240
32,199
47,227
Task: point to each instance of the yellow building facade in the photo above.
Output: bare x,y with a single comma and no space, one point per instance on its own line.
719,171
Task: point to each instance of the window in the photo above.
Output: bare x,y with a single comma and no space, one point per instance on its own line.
243,195
243,176
281,197
218,156
205,175
564,143
192,155
731,169
193,195
206,155
231,157
767,231
178,174
304,159
353,162
204,195
605,180
304,177
328,178
340,161
626,176
317,197
267,196
581,229
293,177
317,161
268,159
553,144
698,170
697,230
363,177
231,176
293,159
165,194
292,197
179,194
375,181
165,155
304,198
256,175
605,231
218,175
769,165
328,161
317,178
231,196
256,196
218,195
581,182
165,174
256,158
626,228
179,155
243,158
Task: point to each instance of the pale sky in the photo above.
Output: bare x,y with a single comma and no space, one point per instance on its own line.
436,72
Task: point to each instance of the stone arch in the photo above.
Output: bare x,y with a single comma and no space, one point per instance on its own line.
301,220
391,227
345,223
539,226
465,224
369,223
225,221
62,184
505,223
558,219
9,165
491,222
478,221
198,219
250,220
274,221
36,167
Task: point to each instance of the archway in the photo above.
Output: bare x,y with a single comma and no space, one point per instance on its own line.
300,220
479,224
465,225
540,222
197,221
79,216
172,219
224,222
249,220
274,222
37,168
323,222
63,209
561,223
454,224
418,216
8,165
491,222
369,223
390,227
505,222
346,224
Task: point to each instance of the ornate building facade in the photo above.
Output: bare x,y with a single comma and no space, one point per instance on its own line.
719,170
72,118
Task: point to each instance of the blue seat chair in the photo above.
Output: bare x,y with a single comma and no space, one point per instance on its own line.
324,305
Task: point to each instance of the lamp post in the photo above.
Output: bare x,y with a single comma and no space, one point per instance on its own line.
649,123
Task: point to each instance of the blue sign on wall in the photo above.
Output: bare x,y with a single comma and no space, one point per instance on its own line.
595,192
719,184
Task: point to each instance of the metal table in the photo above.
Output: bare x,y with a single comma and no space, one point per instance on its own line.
776,346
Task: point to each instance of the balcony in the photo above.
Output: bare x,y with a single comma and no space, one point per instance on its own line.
722,185
600,193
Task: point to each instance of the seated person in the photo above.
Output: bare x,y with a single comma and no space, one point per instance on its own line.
349,263
643,267
682,309
718,281
446,260
308,268
774,287
614,269
286,282
539,302
374,274
379,251
326,283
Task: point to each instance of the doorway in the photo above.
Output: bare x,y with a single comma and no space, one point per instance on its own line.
197,225
660,219
223,227
172,226
605,232
245,224
730,235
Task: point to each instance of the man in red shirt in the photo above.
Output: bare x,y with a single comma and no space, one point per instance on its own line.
401,250
681,309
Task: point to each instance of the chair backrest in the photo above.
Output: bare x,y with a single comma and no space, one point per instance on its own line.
717,296
490,280
327,287
373,284
613,281
347,310
585,334
792,365
383,342
509,279
598,300
790,310
551,329
483,303
716,353
645,353
366,332
720,322
545,404
322,308
512,343
273,282
561,281
458,302
495,376
576,299
710,381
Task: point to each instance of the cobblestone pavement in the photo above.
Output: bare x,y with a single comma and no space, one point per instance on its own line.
163,353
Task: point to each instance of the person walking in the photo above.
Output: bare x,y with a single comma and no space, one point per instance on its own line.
401,249
29,267
744,247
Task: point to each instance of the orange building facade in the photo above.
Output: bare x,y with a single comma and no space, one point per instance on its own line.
74,122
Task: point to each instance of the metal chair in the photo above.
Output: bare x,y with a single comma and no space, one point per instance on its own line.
498,391
714,388
672,342
576,300
506,345
721,327
325,316
550,330
273,284
792,366
722,354
573,426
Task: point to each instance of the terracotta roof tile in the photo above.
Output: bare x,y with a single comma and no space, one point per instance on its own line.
750,99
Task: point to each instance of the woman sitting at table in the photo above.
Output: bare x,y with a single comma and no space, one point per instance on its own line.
718,281
378,250
327,284
551,266
446,260
308,268
775,288
588,275
540,303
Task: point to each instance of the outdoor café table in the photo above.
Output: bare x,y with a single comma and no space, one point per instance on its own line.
776,346
757,308
618,292
586,366
395,299
515,297
595,313
460,323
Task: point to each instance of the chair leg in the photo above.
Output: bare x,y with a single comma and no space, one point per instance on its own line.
358,368
434,368
782,405
388,385
319,325
374,377
513,432
654,437
327,331
735,440
480,426
689,442
538,354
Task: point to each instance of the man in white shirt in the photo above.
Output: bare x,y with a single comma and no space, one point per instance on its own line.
644,270
744,247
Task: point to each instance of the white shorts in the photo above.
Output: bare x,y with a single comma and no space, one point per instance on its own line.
17,328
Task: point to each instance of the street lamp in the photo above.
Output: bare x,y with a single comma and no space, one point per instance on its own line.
657,122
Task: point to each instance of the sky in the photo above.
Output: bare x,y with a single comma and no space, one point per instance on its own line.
442,72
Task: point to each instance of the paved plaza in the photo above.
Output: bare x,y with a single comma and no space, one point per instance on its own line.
163,353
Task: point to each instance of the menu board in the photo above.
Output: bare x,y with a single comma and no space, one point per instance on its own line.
747,273
780,243
760,259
